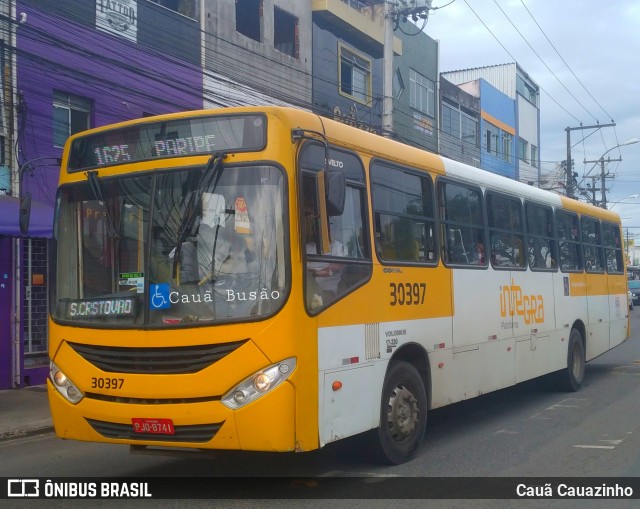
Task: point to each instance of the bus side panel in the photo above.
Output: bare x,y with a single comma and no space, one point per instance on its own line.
343,359
482,357
571,304
353,360
598,308
534,322
478,320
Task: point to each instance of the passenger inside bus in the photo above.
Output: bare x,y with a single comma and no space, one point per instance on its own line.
324,282
479,253
221,247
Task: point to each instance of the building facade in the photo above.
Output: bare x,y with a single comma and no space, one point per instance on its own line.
459,124
348,47
510,103
257,52
415,94
79,65
76,64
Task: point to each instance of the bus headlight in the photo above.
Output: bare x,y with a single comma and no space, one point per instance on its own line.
258,384
63,385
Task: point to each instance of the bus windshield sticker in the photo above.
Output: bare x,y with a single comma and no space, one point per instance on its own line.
159,296
135,279
242,224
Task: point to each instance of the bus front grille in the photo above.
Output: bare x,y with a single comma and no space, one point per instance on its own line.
161,361
192,433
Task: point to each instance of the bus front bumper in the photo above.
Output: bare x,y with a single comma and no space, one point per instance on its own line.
266,424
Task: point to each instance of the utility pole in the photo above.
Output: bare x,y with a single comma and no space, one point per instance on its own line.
603,177
569,167
387,85
394,12
591,188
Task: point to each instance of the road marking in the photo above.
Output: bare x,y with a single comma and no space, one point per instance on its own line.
606,441
560,405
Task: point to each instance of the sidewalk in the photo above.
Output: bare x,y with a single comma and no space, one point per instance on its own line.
24,412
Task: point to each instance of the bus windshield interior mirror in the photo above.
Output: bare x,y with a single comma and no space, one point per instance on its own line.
336,188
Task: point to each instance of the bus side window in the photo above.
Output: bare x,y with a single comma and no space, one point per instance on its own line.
330,276
506,227
542,243
403,205
570,247
463,224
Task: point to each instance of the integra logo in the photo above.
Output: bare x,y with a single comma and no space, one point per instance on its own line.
514,302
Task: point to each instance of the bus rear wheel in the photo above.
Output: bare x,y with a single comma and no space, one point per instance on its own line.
403,414
571,378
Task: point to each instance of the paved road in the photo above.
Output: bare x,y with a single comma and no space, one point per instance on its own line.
528,430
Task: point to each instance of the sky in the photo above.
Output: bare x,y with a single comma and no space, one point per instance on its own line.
584,55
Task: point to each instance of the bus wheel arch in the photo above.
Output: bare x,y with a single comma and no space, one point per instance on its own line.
403,406
418,356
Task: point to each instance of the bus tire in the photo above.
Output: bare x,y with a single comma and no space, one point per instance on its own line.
403,414
571,378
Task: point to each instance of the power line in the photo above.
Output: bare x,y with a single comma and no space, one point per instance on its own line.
515,60
113,88
564,61
542,60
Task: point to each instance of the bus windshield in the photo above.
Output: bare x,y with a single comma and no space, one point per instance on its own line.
171,248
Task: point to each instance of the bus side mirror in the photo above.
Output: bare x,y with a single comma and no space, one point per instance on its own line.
335,190
24,214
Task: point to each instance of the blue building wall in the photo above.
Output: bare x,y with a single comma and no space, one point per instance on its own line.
498,115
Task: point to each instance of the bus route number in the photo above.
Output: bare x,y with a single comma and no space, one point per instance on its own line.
107,383
407,294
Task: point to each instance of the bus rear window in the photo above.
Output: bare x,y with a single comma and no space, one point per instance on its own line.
169,138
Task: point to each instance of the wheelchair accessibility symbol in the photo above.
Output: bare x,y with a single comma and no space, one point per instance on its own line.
159,296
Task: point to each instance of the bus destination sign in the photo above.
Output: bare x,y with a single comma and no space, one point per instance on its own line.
100,308
171,138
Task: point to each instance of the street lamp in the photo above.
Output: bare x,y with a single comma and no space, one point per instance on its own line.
631,197
603,175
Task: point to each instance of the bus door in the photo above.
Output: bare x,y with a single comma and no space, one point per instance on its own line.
533,293
482,323
596,286
617,284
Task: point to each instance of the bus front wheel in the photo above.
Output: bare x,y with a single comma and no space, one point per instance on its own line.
403,413
571,378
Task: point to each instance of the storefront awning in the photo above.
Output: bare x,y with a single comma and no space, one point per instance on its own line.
40,223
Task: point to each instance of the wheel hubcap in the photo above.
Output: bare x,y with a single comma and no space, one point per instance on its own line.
403,413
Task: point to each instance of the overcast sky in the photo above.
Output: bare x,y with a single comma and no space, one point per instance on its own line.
592,76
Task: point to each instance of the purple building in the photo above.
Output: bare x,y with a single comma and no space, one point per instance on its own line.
79,64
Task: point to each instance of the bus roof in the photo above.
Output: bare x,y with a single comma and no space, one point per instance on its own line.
377,146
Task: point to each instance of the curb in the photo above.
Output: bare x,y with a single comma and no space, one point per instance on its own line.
24,433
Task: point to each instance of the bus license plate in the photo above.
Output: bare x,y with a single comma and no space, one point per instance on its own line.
159,426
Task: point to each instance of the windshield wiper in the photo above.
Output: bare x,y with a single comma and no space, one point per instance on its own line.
211,174
96,188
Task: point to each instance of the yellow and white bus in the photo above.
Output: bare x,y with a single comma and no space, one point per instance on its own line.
267,279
